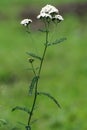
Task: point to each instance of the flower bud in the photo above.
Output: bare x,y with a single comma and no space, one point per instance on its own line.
31,60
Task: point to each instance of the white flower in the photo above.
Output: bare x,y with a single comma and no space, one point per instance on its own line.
50,13
58,17
49,9
44,16
26,22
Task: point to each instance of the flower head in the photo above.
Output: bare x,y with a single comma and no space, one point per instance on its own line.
26,22
50,13
57,18
30,60
49,9
44,16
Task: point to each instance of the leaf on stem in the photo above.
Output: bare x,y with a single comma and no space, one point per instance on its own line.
2,121
34,121
51,97
41,30
57,41
32,85
21,108
34,56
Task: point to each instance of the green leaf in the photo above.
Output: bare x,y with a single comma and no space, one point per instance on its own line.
51,97
34,121
2,121
21,108
34,56
22,124
41,30
57,41
32,85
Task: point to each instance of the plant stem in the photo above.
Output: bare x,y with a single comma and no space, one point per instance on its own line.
38,75
33,69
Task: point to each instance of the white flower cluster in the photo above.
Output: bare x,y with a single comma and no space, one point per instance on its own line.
48,13
49,9
51,13
58,17
26,22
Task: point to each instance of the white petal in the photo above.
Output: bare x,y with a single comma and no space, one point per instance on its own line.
58,17
44,15
25,22
49,9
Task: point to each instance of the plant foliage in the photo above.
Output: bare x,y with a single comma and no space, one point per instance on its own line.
34,55
57,41
51,97
22,109
3,122
32,85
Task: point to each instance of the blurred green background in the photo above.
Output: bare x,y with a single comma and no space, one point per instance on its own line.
64,72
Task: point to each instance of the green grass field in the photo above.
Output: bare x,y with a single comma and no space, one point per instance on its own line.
64,72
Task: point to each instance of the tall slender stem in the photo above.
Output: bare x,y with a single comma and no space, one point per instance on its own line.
38,75
33,69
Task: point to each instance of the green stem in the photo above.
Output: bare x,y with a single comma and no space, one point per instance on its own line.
35,95
33,69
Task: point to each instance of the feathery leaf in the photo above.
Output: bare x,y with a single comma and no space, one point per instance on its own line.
2,121
32,85
21,108
41,30
34,55
57,41
51,97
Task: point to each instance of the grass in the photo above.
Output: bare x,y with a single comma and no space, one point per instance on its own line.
64,75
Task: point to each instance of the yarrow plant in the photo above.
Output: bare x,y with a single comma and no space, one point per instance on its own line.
48,15
26,22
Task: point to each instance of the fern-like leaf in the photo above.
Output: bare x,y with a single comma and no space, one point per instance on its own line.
32,85
20,123
51,97
34,121
42,30
57,41
34,55
21,108
2,121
